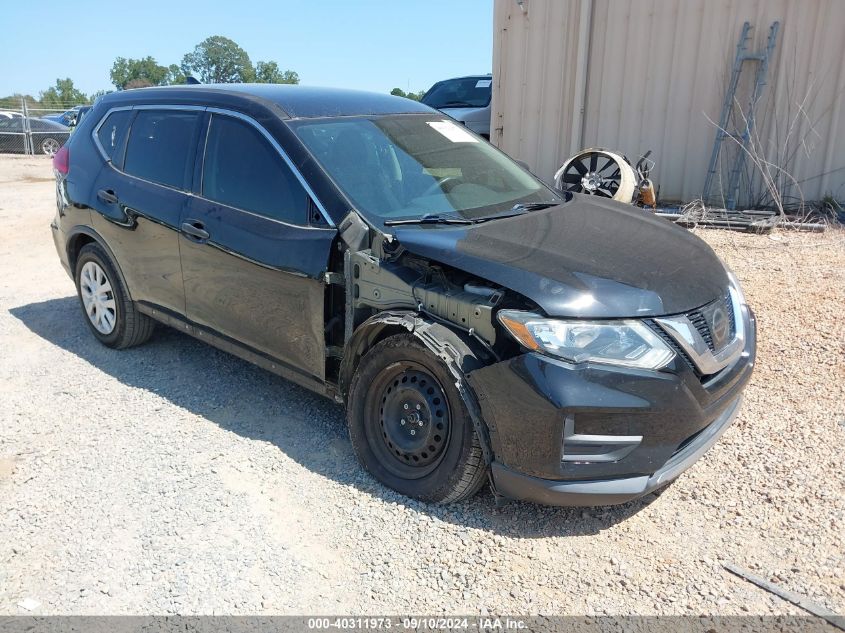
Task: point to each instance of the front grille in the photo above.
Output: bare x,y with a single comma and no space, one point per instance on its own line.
731,316
702,320
673,345
700,323
706,338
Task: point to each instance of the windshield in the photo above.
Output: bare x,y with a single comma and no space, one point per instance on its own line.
408,166
467,92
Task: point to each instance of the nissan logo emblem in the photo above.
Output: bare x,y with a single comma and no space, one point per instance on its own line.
719,325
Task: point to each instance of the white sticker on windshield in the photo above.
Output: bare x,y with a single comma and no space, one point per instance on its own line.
483,83
453,132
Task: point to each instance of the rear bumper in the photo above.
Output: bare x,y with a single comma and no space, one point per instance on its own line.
60,241
610,491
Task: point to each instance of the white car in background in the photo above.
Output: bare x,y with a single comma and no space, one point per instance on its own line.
465,99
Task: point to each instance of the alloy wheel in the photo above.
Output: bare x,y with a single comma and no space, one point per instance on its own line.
50,146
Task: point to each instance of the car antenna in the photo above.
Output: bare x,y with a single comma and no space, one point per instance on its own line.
191,81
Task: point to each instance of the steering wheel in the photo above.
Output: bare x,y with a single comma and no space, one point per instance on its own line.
439,186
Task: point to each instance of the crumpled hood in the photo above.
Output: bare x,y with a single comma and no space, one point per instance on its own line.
588,257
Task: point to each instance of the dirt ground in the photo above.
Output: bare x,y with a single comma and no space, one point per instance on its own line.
173,478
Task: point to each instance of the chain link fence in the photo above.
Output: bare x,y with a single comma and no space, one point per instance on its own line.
25,129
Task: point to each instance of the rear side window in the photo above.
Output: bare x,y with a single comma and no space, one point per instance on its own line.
162,147
112,134
243,170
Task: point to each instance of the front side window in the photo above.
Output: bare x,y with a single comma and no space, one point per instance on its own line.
407,166
112,133
162,145
243,170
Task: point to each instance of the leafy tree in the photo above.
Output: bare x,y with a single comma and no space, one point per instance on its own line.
218,59
269,73
63,94
137,83
137,72
13,102
413,96
96,95
174,75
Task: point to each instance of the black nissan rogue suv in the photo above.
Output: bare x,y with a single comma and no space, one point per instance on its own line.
475,322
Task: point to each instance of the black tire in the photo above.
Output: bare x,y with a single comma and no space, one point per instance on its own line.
445,463
130,326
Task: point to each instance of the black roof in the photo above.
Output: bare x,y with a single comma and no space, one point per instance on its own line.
295,101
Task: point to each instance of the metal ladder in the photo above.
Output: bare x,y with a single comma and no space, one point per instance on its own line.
743,138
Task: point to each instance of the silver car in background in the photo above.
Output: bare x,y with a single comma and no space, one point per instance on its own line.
465,99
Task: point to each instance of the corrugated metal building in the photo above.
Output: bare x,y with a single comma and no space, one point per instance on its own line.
634,75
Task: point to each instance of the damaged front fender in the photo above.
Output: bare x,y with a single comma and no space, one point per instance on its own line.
460,355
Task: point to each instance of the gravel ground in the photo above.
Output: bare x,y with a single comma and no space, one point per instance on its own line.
173,478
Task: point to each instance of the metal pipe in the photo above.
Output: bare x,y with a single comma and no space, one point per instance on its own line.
579,106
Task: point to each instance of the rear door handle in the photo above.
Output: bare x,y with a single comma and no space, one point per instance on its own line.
195,229
107,195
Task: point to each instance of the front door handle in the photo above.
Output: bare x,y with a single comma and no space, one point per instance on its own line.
195,229
107,195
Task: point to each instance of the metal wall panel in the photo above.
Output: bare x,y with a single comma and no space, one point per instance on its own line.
655,71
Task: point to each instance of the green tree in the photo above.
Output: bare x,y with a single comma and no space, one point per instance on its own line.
218,59
413,96
138,73
175,75
13,102
269,73
62,95
96,95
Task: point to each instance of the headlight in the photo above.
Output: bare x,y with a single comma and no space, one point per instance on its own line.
627,343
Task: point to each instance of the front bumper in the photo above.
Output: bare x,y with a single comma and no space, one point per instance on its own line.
610,491
598,435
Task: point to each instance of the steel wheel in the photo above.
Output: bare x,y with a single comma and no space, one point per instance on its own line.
599,173
429,449
409,413
50,146
98,298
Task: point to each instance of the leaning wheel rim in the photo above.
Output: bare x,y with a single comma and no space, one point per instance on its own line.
593,173
98,298
409,420
50,146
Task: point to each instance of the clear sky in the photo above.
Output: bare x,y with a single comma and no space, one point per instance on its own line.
366,44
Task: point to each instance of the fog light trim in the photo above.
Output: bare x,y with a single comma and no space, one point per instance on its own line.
595,448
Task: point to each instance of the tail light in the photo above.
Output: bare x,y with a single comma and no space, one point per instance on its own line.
61,160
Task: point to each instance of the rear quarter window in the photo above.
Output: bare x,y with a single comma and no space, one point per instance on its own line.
162,146
112,134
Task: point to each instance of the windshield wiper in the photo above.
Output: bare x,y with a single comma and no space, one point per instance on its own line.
533,206
518,209
430,218
436,218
